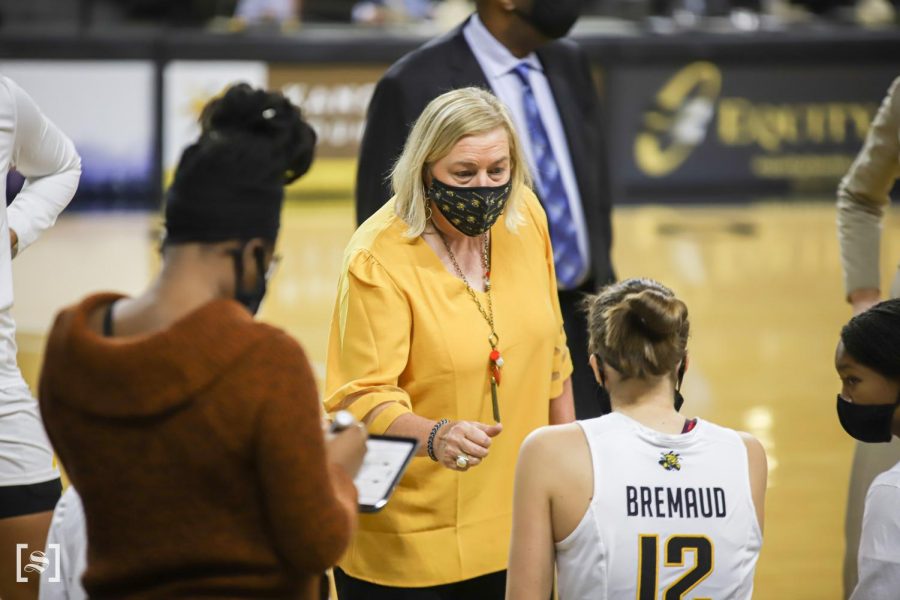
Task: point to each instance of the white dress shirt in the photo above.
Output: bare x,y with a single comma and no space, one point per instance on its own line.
879,543
497,63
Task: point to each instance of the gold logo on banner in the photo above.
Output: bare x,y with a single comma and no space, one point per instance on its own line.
679,121
772,126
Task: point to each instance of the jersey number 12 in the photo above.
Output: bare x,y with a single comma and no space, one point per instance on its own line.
675,548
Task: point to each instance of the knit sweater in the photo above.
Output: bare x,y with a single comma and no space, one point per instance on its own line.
199,455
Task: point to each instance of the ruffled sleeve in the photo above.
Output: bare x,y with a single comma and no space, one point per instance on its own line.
368,347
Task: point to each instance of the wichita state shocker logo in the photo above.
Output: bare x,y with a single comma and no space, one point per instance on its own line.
670,461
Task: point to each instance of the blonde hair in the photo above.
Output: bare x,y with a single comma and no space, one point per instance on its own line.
446,120
638,327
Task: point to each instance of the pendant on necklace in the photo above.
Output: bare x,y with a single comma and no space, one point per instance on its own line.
496,366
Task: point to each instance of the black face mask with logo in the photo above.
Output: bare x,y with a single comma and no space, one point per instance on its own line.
471,210
251,299
553,18
867,422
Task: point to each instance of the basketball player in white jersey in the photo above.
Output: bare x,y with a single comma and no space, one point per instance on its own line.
640,504
867,360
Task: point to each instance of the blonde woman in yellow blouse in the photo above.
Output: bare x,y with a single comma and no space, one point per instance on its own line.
446,325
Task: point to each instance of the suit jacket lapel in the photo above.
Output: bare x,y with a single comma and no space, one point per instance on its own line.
566,98
465,68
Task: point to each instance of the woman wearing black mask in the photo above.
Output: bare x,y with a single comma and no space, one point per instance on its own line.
867,360
447,324
193,433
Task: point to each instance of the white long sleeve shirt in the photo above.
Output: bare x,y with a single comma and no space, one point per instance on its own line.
36,148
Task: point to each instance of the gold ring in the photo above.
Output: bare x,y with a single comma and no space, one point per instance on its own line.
462,461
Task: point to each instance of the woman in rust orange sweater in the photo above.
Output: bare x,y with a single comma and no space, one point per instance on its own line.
192,433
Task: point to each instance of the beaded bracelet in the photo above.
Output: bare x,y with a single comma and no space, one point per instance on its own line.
433,433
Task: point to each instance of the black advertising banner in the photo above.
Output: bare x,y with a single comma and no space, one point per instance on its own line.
702,132
334,99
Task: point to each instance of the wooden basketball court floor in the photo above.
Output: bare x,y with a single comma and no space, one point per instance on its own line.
762,283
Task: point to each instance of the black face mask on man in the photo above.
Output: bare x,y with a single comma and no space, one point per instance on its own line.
471,210
251,299
867,422
552,18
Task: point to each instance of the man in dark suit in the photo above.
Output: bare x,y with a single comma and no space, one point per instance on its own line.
512,47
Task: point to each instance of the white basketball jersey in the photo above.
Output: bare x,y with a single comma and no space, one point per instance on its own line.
672,517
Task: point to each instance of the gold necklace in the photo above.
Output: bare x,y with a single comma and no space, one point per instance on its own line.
495,362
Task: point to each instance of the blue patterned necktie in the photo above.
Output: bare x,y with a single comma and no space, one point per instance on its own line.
570,263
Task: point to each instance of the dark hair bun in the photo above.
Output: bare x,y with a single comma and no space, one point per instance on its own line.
272,127
229,184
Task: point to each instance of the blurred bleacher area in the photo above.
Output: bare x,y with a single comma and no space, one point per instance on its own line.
186,13
200,13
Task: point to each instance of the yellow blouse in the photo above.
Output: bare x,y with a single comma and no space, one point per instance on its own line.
406,331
